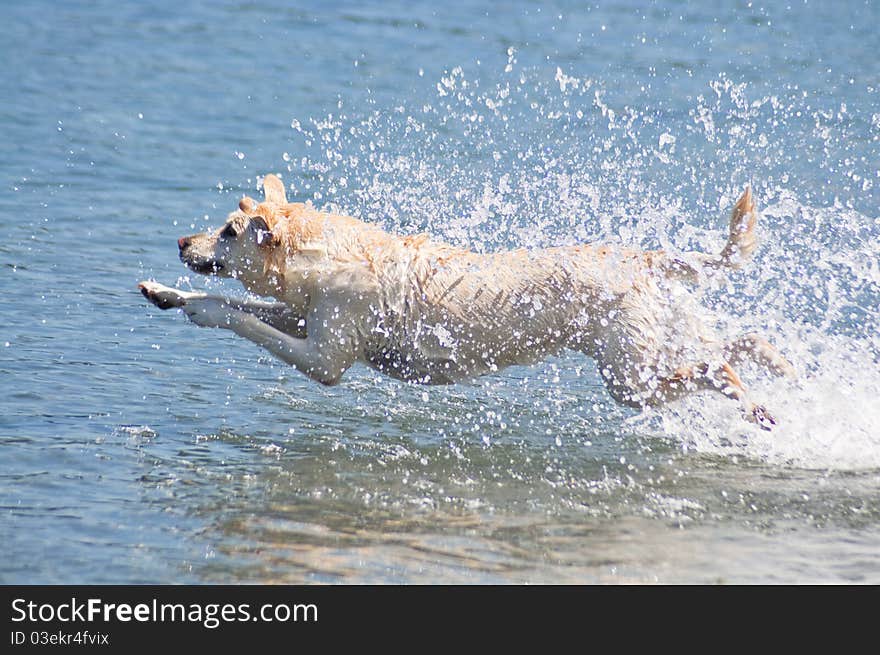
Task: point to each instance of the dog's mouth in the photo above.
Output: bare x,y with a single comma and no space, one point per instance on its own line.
203,266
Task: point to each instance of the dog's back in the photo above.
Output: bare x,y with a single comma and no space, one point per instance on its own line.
447,314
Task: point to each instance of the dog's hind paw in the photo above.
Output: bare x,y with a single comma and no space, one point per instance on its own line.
161,296
761,417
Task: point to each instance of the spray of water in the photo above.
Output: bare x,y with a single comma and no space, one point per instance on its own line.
536,158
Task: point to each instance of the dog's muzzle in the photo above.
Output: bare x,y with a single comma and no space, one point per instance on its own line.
197,263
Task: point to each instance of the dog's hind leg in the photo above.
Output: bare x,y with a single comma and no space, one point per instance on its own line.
759,350
721,378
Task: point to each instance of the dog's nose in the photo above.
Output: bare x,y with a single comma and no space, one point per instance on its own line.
183,243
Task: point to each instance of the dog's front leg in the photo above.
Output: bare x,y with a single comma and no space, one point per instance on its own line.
324,355
166,297
277,314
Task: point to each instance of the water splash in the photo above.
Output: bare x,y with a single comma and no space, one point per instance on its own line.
814,289
534,157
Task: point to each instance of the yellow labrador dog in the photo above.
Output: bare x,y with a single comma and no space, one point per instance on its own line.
427,312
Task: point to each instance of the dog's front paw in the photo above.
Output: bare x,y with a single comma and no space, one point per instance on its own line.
164,297
209,312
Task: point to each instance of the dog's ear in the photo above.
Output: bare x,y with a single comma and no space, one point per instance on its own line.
274,190
265,237
247,205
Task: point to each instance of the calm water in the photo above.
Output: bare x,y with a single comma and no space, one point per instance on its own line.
137,448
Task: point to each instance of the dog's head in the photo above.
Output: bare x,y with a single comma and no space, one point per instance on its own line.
246,243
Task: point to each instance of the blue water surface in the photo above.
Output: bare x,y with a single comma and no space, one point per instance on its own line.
137,448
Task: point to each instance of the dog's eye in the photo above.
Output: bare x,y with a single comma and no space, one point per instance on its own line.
229,232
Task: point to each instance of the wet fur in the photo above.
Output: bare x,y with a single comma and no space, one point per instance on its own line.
427,312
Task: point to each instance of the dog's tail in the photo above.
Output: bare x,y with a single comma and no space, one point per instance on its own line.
741,243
